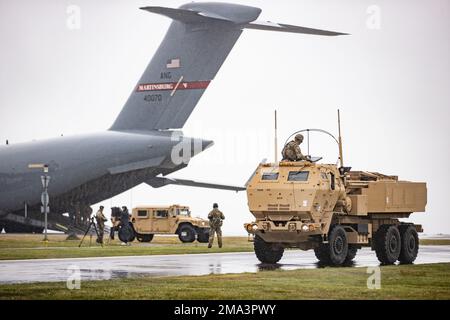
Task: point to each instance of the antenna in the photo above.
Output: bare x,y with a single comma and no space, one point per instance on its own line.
276,138
341,156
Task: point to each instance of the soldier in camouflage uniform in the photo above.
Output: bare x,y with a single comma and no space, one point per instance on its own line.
216,218
101,219
292,152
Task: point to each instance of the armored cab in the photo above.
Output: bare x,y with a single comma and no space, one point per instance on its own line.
335,211
150,220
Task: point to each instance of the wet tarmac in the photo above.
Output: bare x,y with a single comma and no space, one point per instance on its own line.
105,268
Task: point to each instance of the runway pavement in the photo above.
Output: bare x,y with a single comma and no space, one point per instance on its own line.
105,268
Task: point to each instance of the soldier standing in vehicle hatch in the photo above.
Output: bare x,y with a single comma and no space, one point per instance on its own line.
216,218
292,152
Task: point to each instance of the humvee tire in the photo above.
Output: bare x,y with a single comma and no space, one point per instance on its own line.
144,237
266,252
409,244
351,254
186,233
203,235
387,244
126,233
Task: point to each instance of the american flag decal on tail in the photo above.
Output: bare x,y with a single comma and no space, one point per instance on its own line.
173,63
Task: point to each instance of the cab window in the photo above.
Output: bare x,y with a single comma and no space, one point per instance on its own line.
270,176
184,212
298,176
142,213
161,214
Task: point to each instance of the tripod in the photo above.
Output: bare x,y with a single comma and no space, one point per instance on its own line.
91,224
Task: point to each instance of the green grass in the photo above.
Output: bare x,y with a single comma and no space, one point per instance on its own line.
29,246
435,242
16,247
397,282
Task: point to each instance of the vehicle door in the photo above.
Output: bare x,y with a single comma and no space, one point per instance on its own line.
160,221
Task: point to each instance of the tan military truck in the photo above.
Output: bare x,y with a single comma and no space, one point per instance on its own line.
332,210
175,219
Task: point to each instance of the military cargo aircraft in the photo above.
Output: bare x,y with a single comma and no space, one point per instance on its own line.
143,145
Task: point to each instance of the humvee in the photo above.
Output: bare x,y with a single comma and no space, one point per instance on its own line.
175,219
332,210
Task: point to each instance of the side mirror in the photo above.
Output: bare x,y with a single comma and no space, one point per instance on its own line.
333,181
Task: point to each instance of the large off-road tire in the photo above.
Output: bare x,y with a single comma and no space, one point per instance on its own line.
144,237
387,244
126,233
267,252
322,253
409,244
186,233
336,250
203,235
351,254
338,245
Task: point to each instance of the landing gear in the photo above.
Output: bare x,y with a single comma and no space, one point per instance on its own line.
13,227
267,252
144,237
186,233
409,244
38,230
388,244
335,252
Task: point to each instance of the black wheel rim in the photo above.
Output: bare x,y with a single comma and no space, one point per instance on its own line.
393,244
338,245
411,244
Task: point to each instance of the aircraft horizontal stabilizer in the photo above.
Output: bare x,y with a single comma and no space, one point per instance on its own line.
158,182
271,26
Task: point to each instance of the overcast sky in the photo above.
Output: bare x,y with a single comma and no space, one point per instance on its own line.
67,67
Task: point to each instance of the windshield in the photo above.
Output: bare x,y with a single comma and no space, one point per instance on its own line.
184,212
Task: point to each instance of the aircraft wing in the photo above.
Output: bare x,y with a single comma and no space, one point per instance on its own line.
158,182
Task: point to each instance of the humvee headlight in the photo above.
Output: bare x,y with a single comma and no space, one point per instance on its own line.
311,227
305,228
254,227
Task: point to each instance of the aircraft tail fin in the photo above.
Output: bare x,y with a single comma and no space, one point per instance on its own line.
196,45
